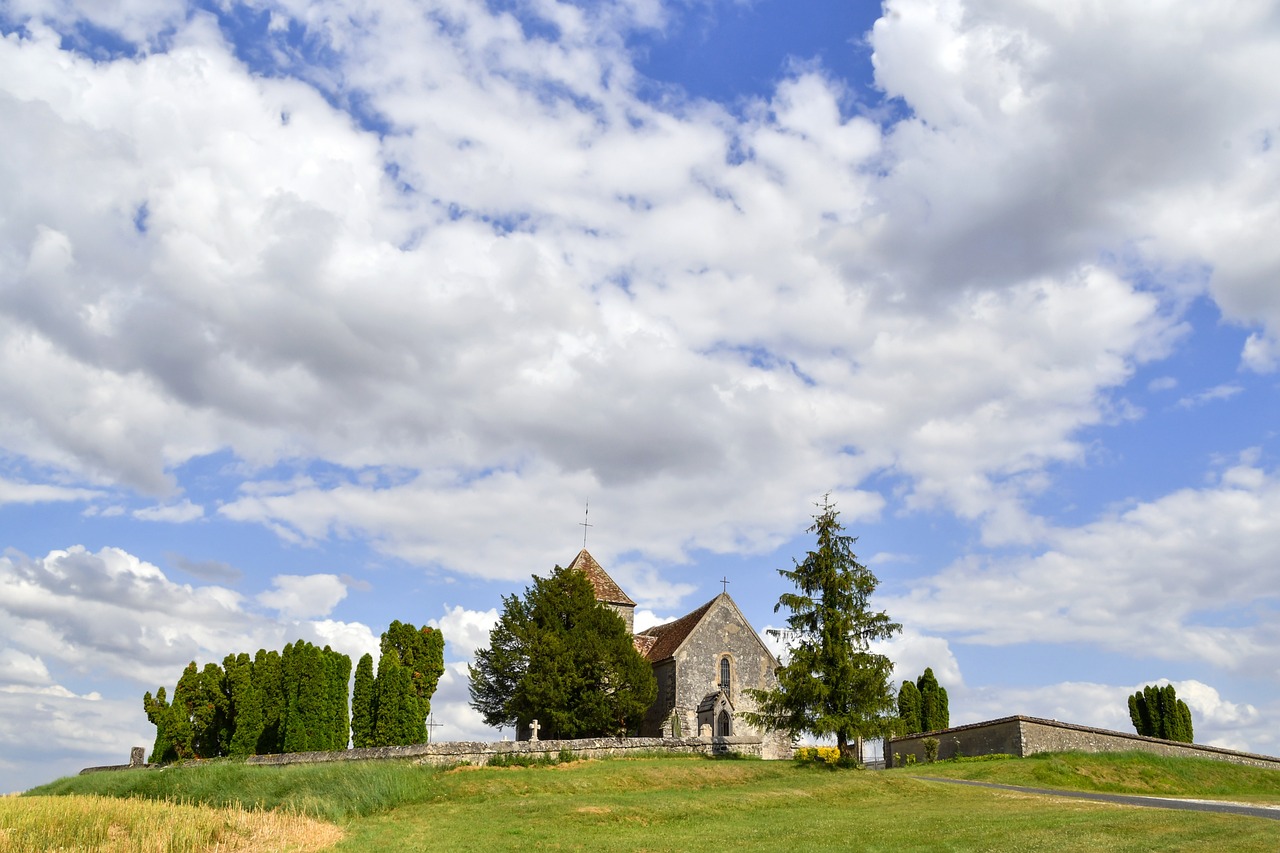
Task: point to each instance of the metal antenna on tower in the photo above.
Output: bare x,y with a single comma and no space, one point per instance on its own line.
585,525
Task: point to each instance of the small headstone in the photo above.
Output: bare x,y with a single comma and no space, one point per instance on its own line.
533,730
704,731
137,756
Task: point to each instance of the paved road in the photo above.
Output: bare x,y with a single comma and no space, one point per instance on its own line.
1218,806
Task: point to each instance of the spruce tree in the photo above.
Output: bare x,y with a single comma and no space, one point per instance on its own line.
363,704
832,683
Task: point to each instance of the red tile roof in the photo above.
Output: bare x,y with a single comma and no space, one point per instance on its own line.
667,638
606,590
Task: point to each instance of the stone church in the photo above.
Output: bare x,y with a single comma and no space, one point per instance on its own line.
705,662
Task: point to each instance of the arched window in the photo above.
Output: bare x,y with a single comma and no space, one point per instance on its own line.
724,674
724,724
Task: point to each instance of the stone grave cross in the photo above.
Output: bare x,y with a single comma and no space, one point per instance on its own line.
533,730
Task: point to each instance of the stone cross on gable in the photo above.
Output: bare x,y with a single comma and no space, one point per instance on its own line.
533,730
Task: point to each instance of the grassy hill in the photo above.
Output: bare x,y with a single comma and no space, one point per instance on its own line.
674,803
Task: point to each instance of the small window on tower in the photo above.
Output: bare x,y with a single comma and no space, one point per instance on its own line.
724,674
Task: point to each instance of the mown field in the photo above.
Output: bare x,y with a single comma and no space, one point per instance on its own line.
678,803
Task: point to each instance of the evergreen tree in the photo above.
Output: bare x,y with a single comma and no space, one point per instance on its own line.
158,713
934,713
421,652
197,717
559,656
832,683
245,704
1158,712
267,678
363,704
399,719
909,708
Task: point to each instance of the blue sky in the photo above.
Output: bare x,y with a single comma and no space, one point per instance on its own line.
314,317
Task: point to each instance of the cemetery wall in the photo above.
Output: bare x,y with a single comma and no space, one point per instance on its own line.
480,753
1023,736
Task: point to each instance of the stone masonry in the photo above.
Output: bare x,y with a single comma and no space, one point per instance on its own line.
1023,736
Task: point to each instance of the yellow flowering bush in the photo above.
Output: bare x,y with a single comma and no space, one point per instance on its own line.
828,755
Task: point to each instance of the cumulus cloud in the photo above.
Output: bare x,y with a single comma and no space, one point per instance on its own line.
13,492
174,513
465,631
696,311
110,615
1180,568
304,596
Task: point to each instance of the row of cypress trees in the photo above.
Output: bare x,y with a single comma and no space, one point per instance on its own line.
290,701
923,706
297,700
1158,712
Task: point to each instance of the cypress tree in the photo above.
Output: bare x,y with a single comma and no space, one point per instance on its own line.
158,713
338,670
909,708
363,704
1158,712
421,652
245,704
398,719
267,678
933,711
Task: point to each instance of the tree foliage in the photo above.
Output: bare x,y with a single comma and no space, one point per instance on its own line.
832,683
391,707
909,708
559,656
1158,712
935,711
295,701
363,703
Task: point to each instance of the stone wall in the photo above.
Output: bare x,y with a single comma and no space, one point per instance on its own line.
1023,736
480,753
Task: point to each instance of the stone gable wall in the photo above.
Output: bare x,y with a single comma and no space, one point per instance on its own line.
697,672
1023,736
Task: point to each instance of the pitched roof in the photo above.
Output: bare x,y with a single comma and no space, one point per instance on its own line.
667,638
606,590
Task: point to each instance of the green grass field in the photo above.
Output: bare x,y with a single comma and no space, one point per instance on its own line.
677,803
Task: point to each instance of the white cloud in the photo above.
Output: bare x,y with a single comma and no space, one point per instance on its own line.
702,318
1210,395
173,513
465,631
110,615
1178,569
304,596
46,734
12,492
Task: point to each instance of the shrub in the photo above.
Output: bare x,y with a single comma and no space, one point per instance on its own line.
930,749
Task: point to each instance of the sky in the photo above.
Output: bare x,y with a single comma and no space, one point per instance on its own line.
318,315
